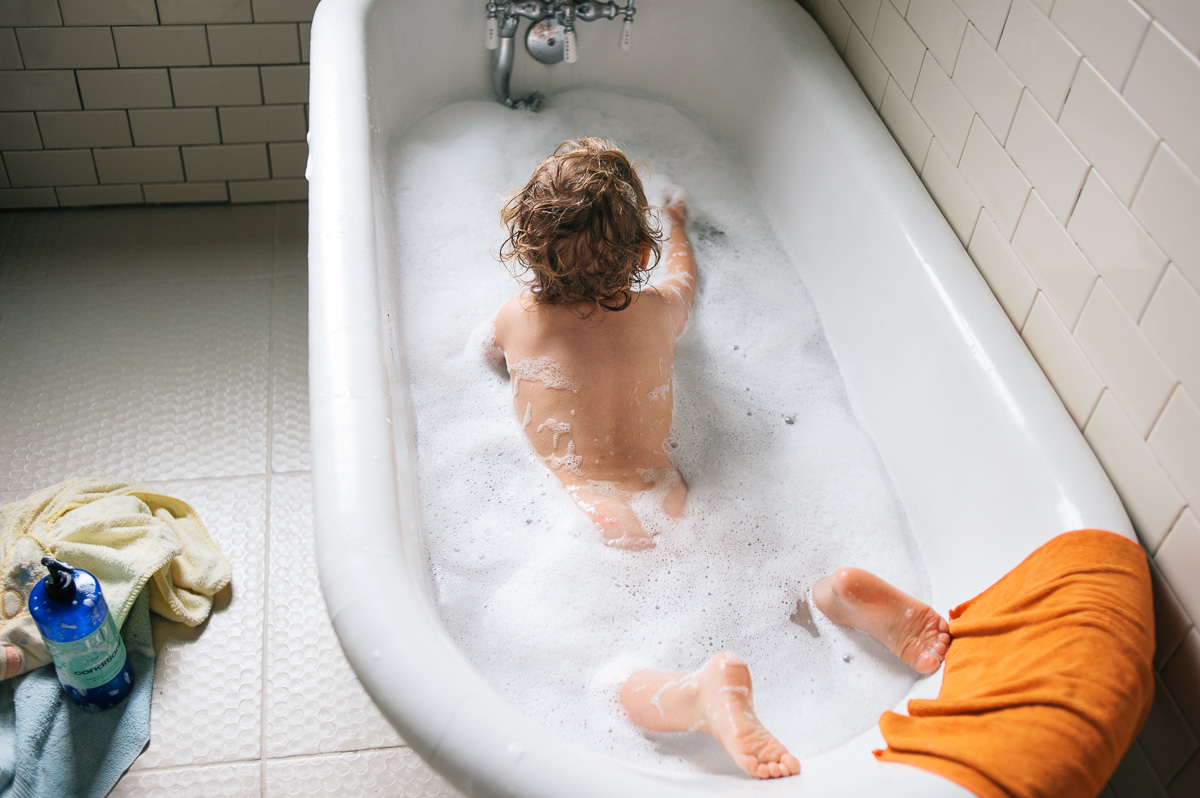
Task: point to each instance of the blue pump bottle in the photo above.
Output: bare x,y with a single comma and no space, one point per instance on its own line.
83,639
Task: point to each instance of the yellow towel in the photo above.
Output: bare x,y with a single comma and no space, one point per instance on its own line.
124,534
1048,678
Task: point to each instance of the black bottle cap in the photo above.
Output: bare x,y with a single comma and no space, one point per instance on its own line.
60,585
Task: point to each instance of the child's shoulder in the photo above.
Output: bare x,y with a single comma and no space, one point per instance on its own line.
516,306
513,312
653,293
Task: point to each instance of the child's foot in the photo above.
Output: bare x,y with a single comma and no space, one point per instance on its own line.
716,699
729,717
909,628
615,519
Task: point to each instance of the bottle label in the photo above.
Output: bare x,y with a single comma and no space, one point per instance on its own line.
90,661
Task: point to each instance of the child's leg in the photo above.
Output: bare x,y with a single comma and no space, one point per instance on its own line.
675,500
715,699
615,519
909,628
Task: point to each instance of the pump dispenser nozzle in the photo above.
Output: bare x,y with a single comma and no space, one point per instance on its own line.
60,585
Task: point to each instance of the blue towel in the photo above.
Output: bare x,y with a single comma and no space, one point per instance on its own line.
50,747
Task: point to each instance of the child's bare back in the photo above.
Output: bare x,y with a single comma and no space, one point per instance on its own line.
589,355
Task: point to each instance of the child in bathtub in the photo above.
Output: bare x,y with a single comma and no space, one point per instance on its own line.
590,351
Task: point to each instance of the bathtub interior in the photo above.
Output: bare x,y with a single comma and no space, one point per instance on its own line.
933,394
962,417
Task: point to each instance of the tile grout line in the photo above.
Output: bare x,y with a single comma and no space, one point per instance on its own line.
266,581
319,755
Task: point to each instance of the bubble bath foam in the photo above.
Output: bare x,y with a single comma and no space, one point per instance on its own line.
785,485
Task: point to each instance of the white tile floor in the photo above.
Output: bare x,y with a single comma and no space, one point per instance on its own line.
169,345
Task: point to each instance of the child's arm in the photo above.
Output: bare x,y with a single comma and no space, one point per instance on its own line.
492,341
679,287
493,353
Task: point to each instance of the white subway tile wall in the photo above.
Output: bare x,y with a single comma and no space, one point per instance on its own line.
940,25
988,84
863,13
834,21
71,129
38,90
996,179
943,107
1000,265
898,47
906,125
1064,362
1163,73
1109,133
1046,156
108,102
1151,499
870,72
1107,32
10,53
227,162
1039,55
1076,189
1061,270
19,131
1122,252
1166,203
51,168
1125,360
953,196
158,126
1172,325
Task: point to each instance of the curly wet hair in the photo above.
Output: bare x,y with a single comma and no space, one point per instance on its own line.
578,229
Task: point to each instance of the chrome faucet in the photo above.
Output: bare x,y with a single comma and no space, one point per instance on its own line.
550,38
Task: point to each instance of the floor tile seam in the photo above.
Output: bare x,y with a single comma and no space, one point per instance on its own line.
330,755
178,767
272,346
292,472
202,479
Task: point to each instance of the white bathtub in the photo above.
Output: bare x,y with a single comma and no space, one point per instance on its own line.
984,458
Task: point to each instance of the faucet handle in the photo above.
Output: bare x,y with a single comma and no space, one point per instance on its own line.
570,47
493,26
627,26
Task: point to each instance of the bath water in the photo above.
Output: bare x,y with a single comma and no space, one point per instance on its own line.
785,486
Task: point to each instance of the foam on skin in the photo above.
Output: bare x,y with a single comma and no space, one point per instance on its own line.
557,427
569,461
659,392
785,486
547,371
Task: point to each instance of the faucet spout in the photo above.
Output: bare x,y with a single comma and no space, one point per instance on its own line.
502,75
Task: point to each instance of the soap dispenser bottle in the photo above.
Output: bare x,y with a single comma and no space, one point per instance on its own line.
81,635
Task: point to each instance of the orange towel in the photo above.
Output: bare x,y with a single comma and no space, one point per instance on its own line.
1048,678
